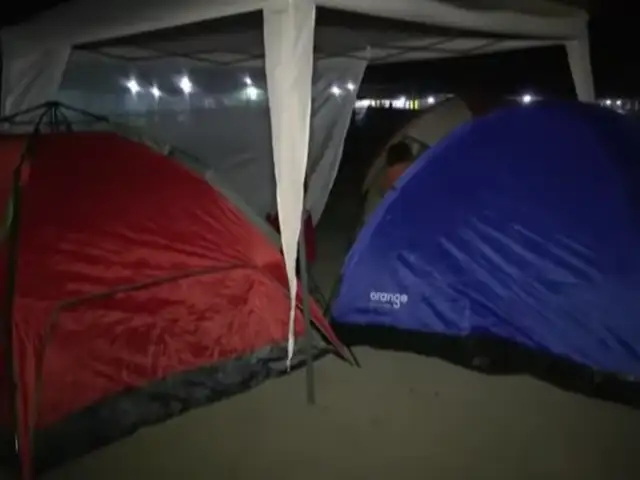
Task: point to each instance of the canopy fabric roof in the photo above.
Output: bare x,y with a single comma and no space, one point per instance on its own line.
35,53
70,23
238,41
398,31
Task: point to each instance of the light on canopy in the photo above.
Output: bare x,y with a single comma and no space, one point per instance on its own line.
133,86
336,90
252,92
248,81
351,87
185,85
155,91
527,98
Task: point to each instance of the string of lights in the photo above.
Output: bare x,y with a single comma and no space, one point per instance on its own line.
183,82
253,93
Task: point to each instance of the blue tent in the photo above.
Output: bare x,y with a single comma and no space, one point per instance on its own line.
522,226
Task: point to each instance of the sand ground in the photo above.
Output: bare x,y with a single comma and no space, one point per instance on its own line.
400,417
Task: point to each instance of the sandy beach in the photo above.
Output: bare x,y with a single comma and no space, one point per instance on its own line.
400,416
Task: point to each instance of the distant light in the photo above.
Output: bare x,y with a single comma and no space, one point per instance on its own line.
248,81
363,103
400,103
133,86
608,102
336,90
527,98
431,100
351,87
619,103
252,92
155,91
186,85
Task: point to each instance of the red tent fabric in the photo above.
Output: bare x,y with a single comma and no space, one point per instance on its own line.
132,272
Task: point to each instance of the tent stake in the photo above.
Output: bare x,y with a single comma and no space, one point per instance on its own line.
308,331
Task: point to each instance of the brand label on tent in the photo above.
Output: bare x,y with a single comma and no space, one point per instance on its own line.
395,300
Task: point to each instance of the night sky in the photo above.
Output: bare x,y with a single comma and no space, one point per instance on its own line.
615,38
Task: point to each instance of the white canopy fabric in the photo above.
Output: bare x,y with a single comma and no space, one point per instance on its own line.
288,31
206,124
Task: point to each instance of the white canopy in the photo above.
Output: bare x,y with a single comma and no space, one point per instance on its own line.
284,34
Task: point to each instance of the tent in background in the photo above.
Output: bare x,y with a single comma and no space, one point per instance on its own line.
424,130
522,226
138,292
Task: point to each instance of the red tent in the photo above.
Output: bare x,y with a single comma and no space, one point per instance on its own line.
139,292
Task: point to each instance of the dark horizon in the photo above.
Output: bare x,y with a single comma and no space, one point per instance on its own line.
613,34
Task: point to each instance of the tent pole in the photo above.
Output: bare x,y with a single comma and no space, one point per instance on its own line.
8,305
26,111
13,243
12,238
308,331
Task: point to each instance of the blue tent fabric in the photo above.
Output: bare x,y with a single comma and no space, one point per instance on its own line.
523,225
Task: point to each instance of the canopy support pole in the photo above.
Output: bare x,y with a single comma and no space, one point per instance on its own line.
306,312
289,30
578,53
